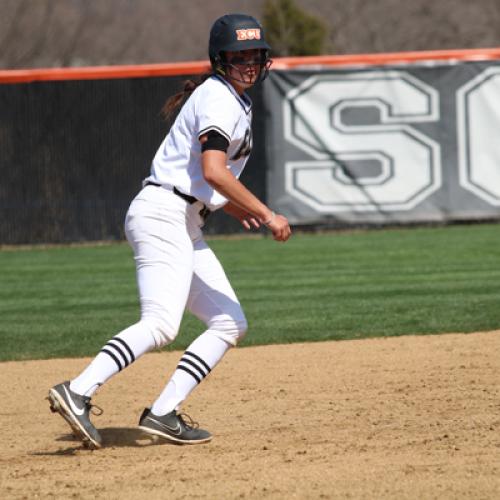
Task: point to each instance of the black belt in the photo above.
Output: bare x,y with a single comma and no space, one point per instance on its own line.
190,199
204,212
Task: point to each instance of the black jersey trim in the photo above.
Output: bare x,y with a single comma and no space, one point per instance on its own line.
215,141
216,129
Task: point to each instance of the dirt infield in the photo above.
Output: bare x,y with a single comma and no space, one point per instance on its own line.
408,417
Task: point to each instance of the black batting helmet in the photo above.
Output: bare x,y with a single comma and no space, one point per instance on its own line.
234,32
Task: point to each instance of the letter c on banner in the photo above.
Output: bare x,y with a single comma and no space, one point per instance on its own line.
478,123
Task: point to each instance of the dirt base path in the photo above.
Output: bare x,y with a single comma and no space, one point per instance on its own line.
408,417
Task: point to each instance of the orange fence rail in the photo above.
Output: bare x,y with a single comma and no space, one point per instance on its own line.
280,63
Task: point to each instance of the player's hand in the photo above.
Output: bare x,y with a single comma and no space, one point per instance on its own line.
248,221
280,227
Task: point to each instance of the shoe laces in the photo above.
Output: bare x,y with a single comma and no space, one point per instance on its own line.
190,423
95,410
92,408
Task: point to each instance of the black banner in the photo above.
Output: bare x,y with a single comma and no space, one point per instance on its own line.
74,153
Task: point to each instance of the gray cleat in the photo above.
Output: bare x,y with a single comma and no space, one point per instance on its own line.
75,410
173,427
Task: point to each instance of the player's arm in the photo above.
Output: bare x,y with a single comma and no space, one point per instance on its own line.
215,172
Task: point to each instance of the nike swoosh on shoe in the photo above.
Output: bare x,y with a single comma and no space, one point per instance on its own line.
74,408
176,430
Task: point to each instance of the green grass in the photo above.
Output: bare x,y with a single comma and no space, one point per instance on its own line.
68,301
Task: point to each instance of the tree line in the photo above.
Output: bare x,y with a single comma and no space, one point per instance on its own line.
60,33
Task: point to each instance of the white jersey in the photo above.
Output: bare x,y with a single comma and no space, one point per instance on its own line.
214,105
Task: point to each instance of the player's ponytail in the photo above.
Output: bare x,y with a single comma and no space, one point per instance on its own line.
173,102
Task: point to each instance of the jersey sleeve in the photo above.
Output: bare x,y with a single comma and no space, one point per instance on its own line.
217,111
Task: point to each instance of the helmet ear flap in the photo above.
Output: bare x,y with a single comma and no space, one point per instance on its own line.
218,65
264,70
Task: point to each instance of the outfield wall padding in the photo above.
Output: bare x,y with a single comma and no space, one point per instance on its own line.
370,139
392,144
74,154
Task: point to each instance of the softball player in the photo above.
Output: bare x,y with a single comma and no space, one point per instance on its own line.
195,171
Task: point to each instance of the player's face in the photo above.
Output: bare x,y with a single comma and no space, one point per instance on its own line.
243,68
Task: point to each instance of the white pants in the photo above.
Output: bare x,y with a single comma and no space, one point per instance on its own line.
177,270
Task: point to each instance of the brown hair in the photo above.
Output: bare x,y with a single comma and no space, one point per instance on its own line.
174,101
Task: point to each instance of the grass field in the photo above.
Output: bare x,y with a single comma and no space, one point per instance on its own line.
68,301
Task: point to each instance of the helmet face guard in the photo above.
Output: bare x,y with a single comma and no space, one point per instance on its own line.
263,61
235,32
